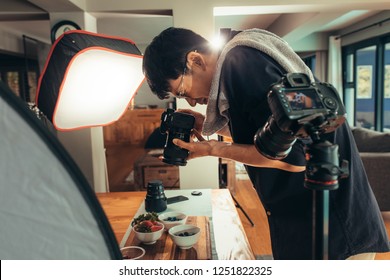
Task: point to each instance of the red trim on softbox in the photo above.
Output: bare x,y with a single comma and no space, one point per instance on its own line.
56,42
69,59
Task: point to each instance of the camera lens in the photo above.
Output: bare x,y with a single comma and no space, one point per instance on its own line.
155,200
272,142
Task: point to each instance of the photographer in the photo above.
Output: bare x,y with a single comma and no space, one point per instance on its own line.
234,84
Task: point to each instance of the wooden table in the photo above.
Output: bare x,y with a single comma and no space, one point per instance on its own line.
230,240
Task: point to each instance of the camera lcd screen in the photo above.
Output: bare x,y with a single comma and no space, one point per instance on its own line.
304,100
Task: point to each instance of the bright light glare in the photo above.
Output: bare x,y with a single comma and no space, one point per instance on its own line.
97,88
217,42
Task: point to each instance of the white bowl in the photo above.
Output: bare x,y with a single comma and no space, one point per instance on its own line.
149,237
171,219
185,236
132,252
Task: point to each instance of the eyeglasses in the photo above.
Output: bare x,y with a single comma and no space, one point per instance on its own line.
181,92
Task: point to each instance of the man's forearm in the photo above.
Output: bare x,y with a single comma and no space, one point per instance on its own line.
249,155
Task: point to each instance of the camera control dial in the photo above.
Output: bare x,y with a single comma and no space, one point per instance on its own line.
330,103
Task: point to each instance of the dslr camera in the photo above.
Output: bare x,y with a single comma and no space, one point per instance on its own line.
299,109
176,125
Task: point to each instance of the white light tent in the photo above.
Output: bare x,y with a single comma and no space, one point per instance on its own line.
47,208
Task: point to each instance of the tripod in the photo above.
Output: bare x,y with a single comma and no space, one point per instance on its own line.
223,184
322,174
243,211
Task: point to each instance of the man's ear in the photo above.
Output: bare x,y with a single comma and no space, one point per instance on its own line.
195,59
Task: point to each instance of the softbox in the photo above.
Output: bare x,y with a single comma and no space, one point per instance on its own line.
89,79
47,208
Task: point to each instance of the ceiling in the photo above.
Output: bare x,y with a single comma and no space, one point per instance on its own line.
142,21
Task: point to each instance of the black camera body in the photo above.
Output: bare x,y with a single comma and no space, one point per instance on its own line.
295,102
303,109
176,125
298,108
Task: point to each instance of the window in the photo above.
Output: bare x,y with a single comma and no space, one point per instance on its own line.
310,61
12,79
386,89
366,81
365,87
20,74
349,89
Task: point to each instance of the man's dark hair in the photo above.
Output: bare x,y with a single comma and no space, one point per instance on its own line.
165,57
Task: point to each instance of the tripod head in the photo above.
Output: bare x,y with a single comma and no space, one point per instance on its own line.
323,167
322,173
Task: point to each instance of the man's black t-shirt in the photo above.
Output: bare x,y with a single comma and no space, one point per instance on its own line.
355,225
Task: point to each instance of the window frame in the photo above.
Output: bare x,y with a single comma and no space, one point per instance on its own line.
23,66
379,42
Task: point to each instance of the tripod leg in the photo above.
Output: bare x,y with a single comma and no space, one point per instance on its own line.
243,211
320,224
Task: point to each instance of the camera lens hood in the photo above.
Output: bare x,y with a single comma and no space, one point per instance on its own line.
272,142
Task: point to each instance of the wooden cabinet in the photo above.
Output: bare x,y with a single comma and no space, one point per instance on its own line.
134,127
148,168
169,175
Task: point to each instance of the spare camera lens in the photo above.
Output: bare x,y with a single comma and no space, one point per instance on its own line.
155,200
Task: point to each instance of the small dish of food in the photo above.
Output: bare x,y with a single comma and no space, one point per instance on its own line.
147,229
185,236
171,219
132,252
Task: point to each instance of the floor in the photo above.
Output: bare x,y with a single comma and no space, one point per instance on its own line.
120,161
258,234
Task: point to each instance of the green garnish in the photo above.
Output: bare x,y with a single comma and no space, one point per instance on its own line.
151,216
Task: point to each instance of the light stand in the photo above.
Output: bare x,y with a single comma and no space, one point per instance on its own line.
322,174
243,211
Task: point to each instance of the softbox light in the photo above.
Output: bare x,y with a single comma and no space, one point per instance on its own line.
89,80
47,208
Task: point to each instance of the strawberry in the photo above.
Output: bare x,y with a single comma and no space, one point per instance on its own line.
146,223
155,228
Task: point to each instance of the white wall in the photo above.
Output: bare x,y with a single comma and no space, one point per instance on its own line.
145,96
201,172
137,29
11,41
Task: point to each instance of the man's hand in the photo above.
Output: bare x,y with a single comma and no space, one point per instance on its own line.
200,148
199,118
243,153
